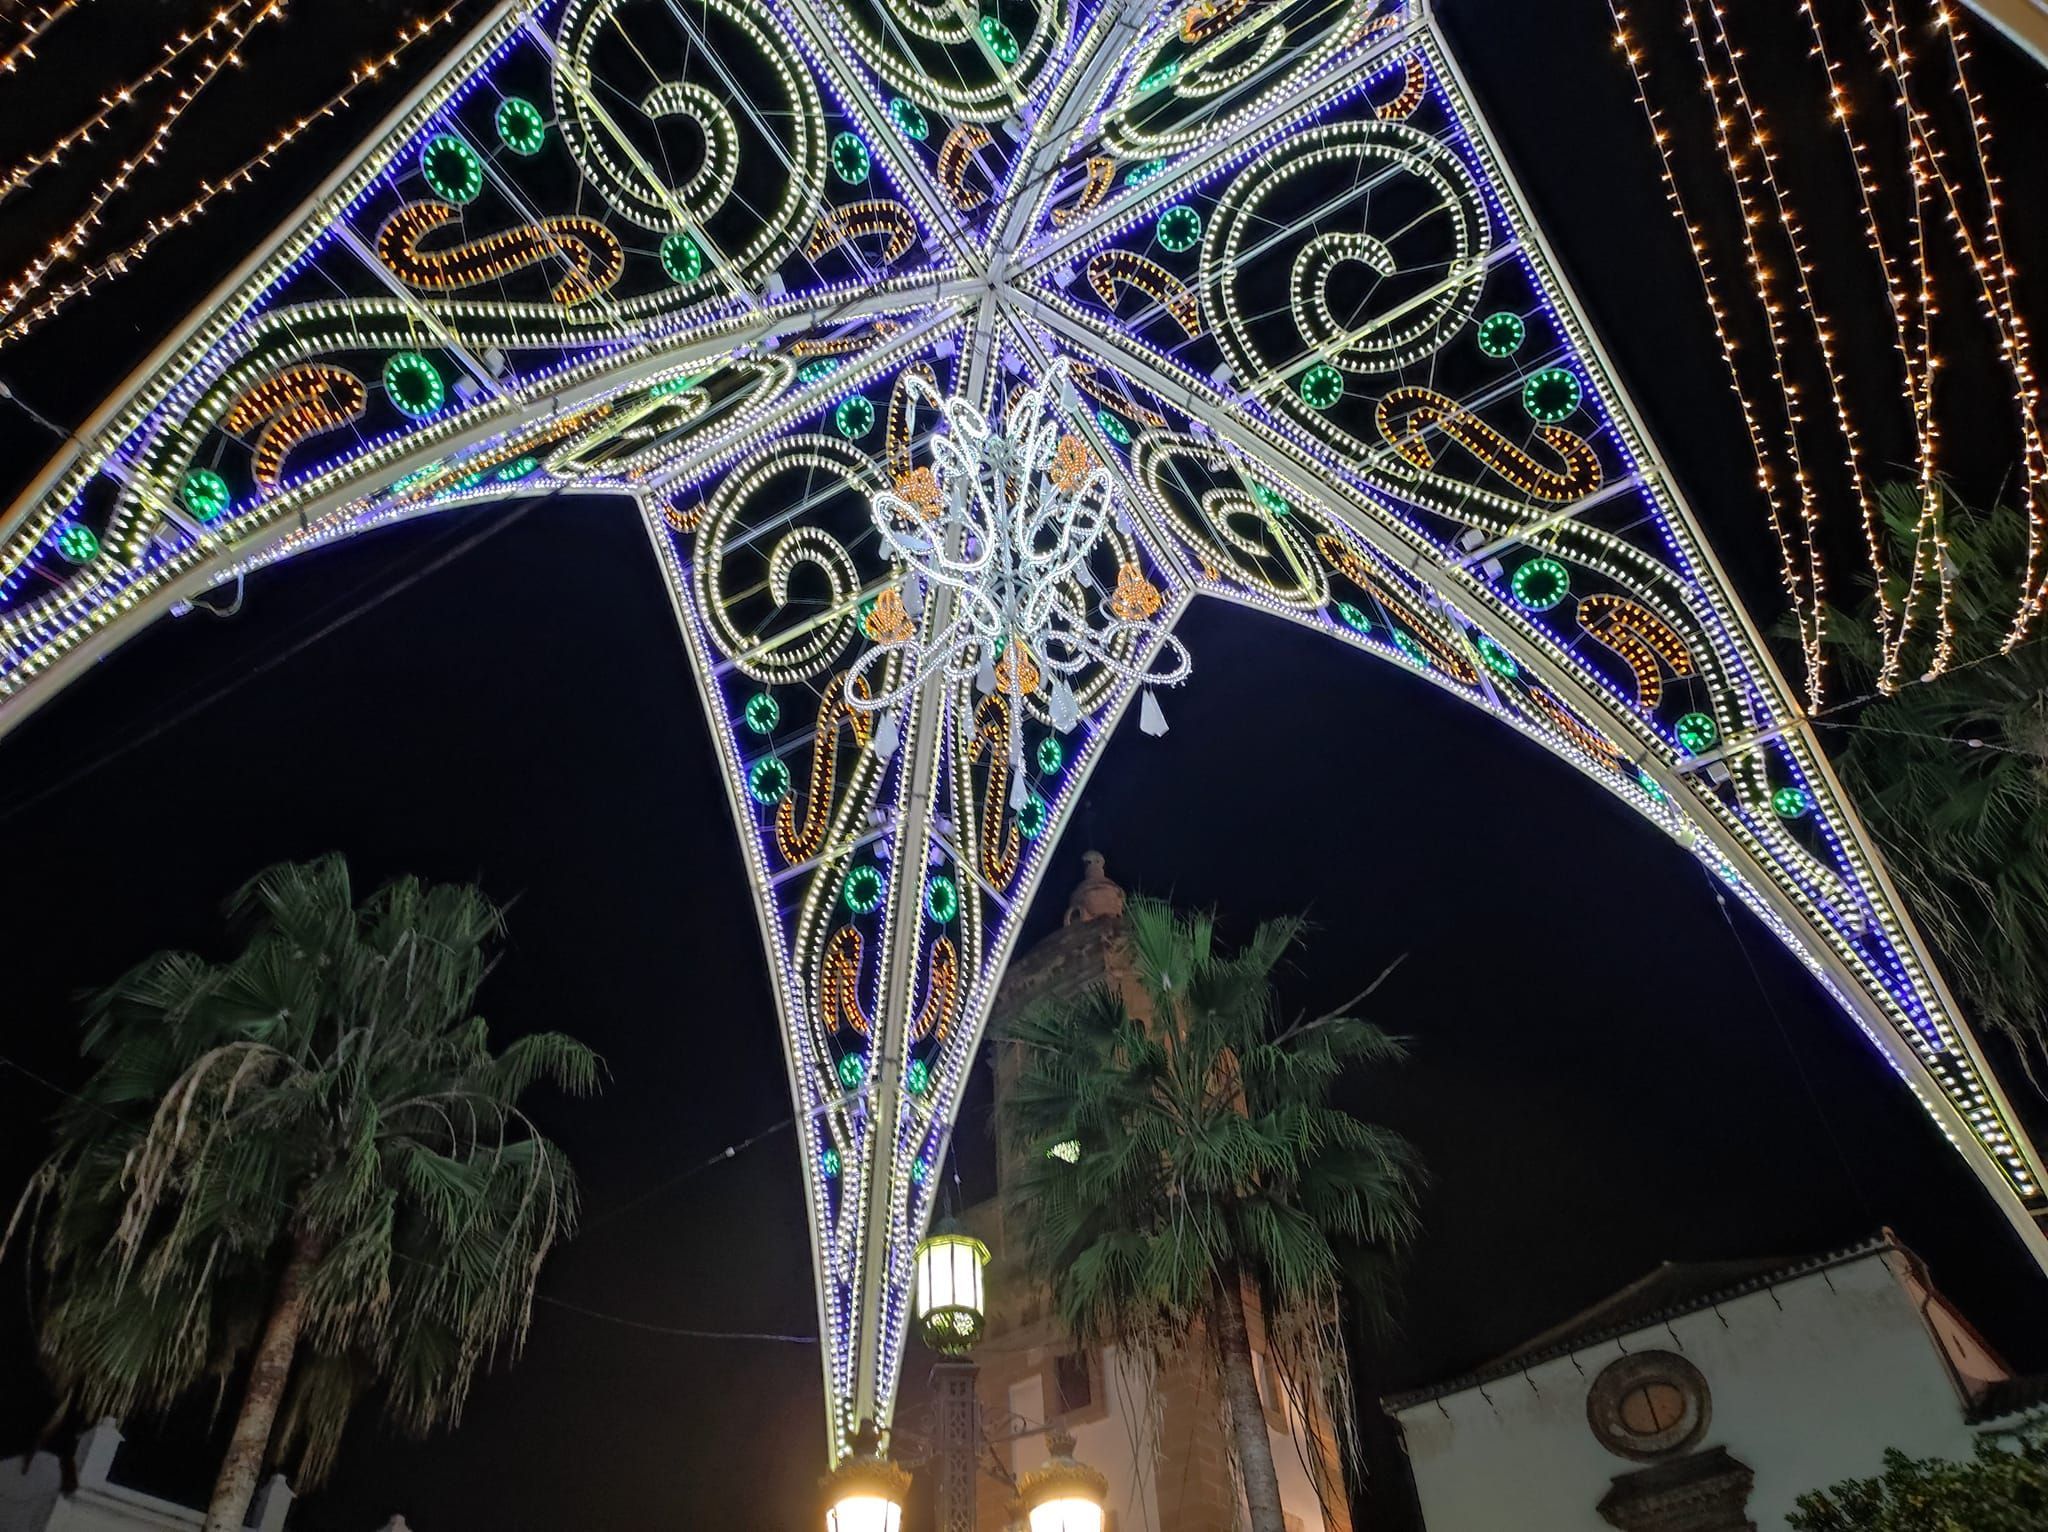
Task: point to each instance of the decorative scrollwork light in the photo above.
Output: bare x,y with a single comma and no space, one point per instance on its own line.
1004,522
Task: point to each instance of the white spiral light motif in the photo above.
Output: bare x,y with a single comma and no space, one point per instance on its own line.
1007,524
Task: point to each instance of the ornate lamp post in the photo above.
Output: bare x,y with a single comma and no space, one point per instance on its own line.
1063,1495
951,1310
865,1492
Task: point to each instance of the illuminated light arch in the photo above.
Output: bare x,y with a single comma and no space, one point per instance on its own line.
1477,450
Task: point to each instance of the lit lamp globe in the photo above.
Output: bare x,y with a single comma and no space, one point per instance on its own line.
1063,1495
950,1300
865,1492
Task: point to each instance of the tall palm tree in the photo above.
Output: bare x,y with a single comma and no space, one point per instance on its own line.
305,1161
1210,1165
1952,774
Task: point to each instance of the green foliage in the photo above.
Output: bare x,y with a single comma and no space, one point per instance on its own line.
1965,825
2003,1489
1207,1144
328,1090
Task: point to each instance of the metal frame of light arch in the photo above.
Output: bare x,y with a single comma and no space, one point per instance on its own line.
1034,317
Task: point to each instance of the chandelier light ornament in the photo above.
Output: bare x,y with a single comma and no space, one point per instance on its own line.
1063,1495
951,1302
865,1493
1006,520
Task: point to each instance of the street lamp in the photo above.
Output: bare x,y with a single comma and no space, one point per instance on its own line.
865,1492
950,1311
1062,1495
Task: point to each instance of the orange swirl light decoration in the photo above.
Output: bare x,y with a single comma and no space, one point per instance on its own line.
295,405
1642,639
839,225
1351,564
955,155
1576,729
797,840
1205,18
1113,270
1000,845
1085,380
1404,413
593,253
1101,172
1414,86
839,988
896,440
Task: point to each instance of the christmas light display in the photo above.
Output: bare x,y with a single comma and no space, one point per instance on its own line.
933,457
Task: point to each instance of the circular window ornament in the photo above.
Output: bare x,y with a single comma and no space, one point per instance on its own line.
1540,584
520,126
452,169
1178,228
681,257
850,159
413,384
1321,386
910,121
1649,1405
1551,395
1502,334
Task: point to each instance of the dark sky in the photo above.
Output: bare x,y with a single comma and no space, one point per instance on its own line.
1600,1080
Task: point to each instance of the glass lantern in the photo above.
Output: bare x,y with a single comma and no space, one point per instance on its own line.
865,1493
1063,1495
950,1299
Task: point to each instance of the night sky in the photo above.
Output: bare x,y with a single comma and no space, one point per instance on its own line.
1606,1072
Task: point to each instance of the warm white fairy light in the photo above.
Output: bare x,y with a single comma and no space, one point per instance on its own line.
1006,525
46,17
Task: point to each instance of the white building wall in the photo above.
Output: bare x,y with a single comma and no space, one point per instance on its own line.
1809,1383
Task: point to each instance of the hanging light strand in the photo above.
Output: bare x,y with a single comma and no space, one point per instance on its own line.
46,17
55,299
1710,285
70,243
1802,276
114,101
1809,583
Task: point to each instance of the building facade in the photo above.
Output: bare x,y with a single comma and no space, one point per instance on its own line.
1159,1437
1707,1398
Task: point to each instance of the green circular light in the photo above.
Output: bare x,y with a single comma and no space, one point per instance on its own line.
1113,428
823,367
452,168
1145,172
830,1160
1540,584
1502,334
1496,659
1050,756
1272,500
470,480
1410,646
1696,731
768,782
1322,386
1650,785
862,889
1164,75
855,417
1179,227
763,712
205,493
1791,802
413,385
520,126
1353,617
850,159
1033,817
518,468
77,543
917,1079
1002,42
852,1070
920,1171
910,122
681,257
941,898
1551,395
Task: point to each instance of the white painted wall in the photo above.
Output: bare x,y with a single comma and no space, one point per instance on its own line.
1809,1383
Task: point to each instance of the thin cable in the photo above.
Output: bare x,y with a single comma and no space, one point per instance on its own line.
731,1151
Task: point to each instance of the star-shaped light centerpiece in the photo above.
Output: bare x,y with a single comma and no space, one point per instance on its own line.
997,534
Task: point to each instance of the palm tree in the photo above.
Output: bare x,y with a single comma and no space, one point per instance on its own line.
1953,773
307,1161
1200,1161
